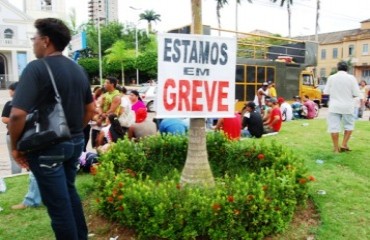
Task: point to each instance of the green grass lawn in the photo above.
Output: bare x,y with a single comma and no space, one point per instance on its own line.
345,177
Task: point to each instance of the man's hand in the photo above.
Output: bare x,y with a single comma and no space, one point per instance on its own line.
20,158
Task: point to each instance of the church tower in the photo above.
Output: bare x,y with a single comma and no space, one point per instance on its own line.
45,8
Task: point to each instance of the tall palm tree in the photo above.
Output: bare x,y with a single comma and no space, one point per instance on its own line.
288,3
197,170
219,6
150,16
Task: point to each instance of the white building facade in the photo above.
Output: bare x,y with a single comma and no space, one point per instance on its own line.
16,29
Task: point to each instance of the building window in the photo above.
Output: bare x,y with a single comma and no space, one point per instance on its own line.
335,53
323,53
46,5
365,49
322,72
351,50
8,33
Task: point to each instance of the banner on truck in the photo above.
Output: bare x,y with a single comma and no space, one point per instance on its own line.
196,76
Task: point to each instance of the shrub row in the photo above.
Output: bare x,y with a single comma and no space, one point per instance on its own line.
257,189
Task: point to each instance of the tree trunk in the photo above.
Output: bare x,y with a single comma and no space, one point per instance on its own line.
197,170
149,27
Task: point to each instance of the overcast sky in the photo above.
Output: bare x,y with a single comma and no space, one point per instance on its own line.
335,15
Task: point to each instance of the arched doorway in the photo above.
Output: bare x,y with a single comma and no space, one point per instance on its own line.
3,72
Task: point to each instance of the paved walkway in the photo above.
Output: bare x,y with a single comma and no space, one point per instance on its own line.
4,158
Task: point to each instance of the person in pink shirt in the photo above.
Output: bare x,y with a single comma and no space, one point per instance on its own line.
136,102
308,108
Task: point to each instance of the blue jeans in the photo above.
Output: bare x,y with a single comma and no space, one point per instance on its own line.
55,170
33,197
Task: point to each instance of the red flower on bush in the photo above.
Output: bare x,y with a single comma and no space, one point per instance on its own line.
250,197
311,178
110,199
236,212
120,197
120,208
261,156
216,207
93,170
120,184
302,181
230,198
131,172
114,192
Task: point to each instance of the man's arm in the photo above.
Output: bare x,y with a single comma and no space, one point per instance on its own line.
220,123
16,124
89,113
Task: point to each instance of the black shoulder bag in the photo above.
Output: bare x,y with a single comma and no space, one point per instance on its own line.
45,126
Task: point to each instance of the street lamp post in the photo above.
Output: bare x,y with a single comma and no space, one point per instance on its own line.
100,60
136,46
136,53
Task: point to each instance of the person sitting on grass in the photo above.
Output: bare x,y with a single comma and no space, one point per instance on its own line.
297,108
142,126
275,120
230,126
172,126
109,134
252,125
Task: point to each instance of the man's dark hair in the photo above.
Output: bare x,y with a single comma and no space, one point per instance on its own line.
342,66
113,81
56,30
13,86
123,90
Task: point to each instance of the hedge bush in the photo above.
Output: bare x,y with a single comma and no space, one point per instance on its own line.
258,187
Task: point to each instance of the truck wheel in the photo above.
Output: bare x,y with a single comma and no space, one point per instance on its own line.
150,106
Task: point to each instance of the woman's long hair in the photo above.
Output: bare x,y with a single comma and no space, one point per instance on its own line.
115,129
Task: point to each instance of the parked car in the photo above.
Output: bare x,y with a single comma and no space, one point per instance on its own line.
324,97
148,94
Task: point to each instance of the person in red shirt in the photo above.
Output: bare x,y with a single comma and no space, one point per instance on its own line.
231,126
275,119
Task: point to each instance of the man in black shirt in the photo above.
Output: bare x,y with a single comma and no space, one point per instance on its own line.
252,125
55,167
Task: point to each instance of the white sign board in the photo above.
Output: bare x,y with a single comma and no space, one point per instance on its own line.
196,76
78,42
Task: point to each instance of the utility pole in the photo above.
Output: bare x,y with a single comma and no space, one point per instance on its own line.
317,20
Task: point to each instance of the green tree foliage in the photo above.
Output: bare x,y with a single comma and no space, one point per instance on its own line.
150,16
91,66
119,53
110,33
